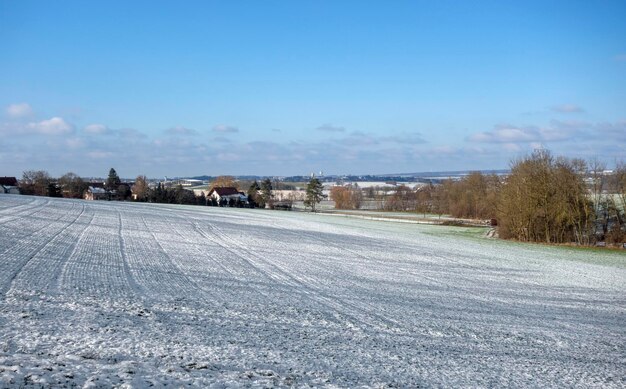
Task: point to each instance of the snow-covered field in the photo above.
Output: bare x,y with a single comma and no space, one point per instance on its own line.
101,294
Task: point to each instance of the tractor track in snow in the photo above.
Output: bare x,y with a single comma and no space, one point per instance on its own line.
140,295
359,316
191,285
135,288
9,282
61,272
23,215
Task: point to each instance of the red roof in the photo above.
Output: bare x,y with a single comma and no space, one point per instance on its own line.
226,191
8,181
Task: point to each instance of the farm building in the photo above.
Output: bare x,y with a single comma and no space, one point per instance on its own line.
95,193
9,185
226,194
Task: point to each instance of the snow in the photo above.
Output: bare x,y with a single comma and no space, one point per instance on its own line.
101,294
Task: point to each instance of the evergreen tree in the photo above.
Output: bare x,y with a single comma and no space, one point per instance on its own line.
53,190
123,192
266,192
179,194
314,193
158,195
113,181
201,200
254,199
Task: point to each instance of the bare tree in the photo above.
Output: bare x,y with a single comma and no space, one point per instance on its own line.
35,182
72,185
346,197
424,199
619,183
223,182
141,189
474,196
617,189
598,196
402,199
543,200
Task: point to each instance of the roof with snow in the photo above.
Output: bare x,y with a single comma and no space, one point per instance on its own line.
97,190
225,191
10,181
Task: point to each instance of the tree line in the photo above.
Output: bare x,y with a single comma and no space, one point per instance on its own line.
40,183
70,185
543,199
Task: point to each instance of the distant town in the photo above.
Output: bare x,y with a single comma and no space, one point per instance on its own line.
541,199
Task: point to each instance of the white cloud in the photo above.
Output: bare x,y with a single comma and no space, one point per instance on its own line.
570,138
506,134
19,111
74,143
223,128
180,130
99,154
405,138
130,134
330,128
53,126
172,152
446,150
125,133
228,157
511,147
179,143
97,129
359,139
556,131
567,108
566,130
612,131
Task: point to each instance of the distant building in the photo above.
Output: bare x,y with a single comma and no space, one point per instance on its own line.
8,185
7,189
226,194
95,193
289,195
8,181
191,182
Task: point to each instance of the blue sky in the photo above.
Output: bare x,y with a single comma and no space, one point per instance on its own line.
285,88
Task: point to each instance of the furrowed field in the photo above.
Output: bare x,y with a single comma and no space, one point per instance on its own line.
104,293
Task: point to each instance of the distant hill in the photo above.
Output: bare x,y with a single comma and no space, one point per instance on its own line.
419,176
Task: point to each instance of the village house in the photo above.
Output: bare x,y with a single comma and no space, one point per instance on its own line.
95,193
8,185
226,195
